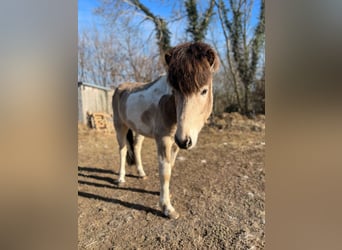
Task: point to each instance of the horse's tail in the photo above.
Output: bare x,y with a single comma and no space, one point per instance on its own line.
130,156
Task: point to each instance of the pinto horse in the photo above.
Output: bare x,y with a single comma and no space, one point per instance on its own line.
171,109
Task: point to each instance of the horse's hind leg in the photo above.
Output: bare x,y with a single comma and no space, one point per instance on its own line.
121,133
137,150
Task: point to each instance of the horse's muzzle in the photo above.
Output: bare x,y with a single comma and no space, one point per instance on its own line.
184,144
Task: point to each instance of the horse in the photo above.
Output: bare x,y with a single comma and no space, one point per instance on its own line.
172,110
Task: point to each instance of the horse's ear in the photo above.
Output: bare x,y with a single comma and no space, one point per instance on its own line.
168,56
213,60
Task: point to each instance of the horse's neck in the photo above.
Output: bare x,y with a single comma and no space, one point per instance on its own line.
159,88
162,84
143,96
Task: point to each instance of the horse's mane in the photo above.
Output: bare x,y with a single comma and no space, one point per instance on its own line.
190,66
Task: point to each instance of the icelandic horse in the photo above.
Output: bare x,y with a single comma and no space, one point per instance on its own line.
172,110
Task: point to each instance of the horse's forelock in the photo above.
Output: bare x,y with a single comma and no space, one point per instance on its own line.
189,67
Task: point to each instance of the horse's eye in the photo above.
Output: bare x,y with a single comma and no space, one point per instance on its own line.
204,91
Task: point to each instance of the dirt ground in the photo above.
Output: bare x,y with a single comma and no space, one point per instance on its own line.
218,188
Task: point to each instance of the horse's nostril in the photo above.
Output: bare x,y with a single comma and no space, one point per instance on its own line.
188,142
184,144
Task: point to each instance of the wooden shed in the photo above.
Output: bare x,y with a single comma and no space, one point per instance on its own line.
93,98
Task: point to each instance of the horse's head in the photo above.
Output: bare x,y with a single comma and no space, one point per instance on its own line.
190,69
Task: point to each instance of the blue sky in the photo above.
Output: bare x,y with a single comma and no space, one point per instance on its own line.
86,18
85,14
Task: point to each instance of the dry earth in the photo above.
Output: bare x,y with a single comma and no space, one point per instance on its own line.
218,188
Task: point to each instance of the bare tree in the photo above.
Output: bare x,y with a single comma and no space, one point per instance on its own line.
142,62
97,57
81,57
198,24
242,52
107,59
103,51
161,29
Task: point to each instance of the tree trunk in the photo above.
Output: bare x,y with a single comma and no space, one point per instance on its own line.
246,108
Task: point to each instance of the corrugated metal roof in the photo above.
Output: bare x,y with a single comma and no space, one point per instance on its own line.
94,86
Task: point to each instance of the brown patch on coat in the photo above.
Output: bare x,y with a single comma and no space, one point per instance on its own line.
147,115
116,109
167,108
119,103
190,66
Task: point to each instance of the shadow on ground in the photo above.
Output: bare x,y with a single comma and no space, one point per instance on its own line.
111,184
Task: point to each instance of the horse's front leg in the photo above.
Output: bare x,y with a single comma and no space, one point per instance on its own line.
165,166
174,152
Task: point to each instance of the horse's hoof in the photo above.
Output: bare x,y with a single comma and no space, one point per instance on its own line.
120,183
143,177
173,215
